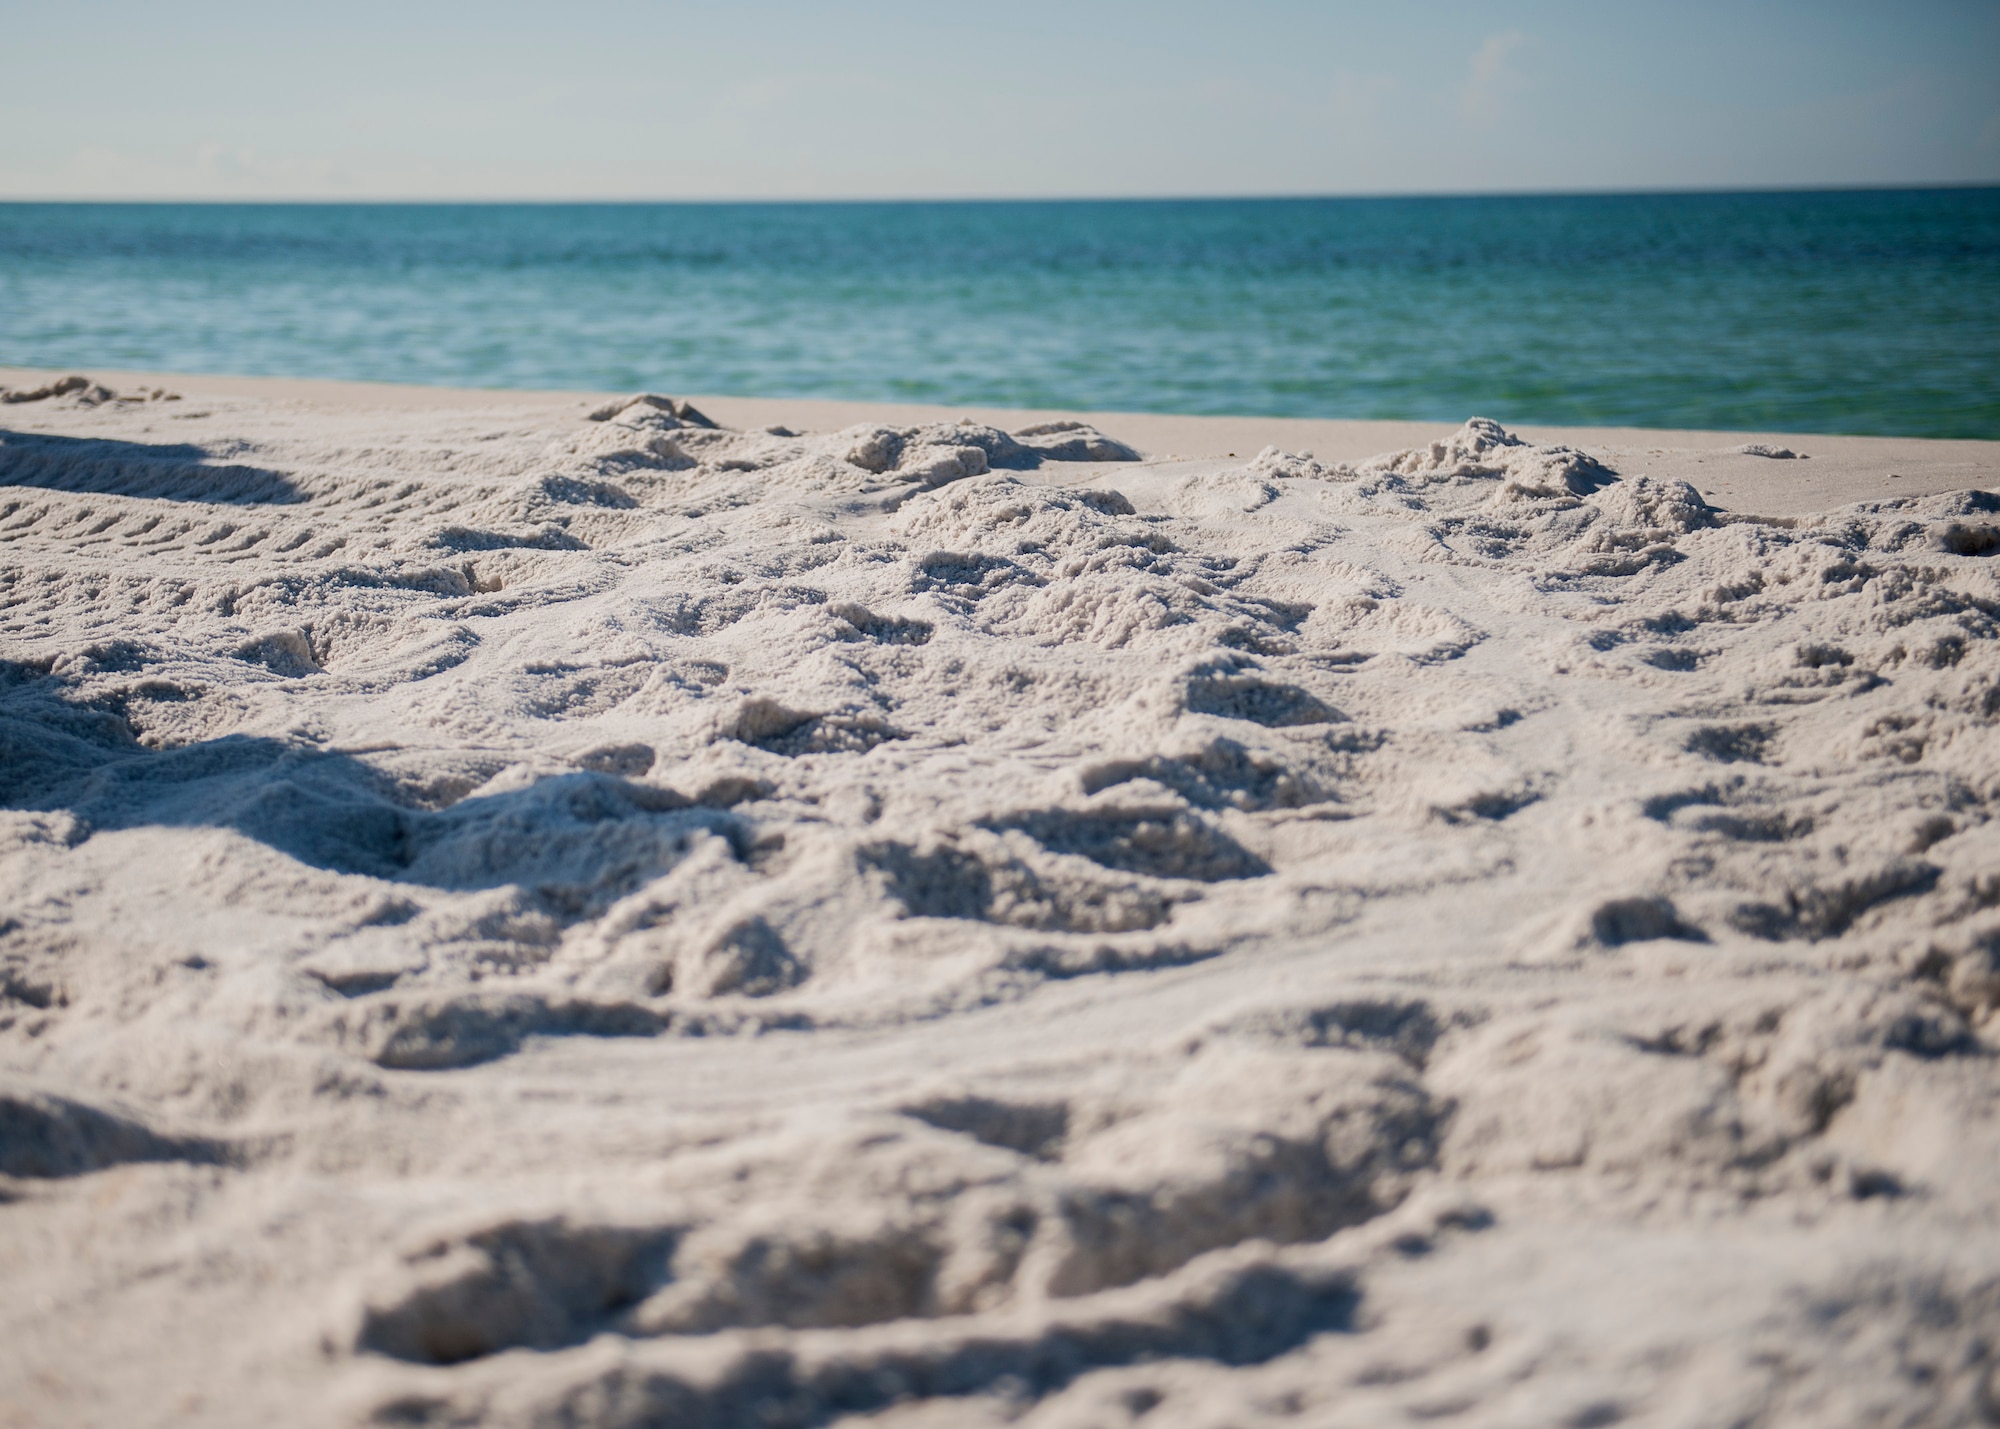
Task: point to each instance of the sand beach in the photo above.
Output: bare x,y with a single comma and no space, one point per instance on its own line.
545,909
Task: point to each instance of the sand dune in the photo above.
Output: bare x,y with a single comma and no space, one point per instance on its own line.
546,911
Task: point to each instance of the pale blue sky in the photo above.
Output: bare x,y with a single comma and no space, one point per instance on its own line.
770,99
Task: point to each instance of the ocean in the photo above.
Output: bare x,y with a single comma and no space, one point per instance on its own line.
1866,312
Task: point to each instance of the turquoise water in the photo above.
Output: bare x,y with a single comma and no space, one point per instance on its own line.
1834,312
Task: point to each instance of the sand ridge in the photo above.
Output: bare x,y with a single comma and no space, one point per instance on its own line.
1739,471
574,913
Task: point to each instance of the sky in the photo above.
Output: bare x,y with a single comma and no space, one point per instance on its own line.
771,99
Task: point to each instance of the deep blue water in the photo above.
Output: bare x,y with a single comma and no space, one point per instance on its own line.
1834,312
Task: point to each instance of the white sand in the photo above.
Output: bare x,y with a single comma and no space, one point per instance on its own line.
527,920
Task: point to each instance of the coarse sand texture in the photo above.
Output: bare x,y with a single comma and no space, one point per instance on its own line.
580,916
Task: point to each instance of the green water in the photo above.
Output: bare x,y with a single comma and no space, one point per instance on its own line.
1832,312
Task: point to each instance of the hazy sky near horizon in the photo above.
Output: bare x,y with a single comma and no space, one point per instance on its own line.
893,98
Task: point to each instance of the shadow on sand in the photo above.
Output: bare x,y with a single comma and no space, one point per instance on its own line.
577,841
159,471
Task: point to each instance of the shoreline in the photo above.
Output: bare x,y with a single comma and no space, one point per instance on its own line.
1836,470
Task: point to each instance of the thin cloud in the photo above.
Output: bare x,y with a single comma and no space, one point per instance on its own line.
1492,78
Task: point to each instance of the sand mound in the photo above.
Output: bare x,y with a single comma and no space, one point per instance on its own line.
624,921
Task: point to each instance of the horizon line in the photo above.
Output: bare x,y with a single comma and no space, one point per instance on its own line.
1664,191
